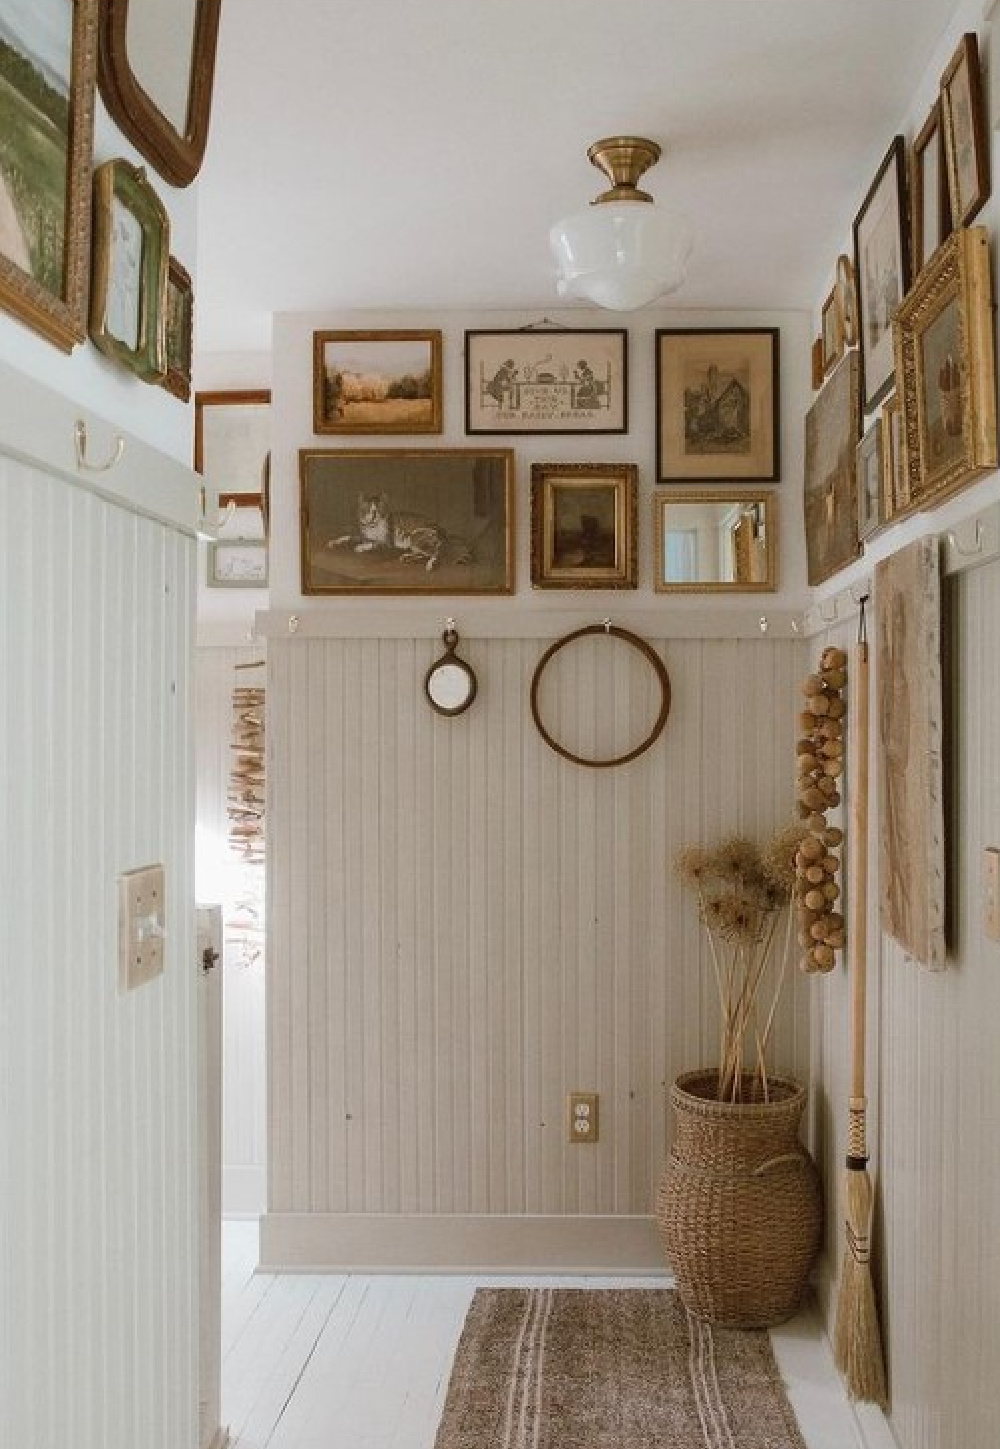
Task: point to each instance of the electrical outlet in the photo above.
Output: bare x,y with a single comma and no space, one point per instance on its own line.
141,931
991,893
583,1116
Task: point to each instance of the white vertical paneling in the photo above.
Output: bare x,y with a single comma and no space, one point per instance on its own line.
934,1084
243,1133
463,927
98,1211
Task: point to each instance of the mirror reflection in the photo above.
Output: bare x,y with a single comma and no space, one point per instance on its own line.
718,540
160,39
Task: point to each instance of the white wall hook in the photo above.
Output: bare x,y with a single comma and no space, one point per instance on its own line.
80,441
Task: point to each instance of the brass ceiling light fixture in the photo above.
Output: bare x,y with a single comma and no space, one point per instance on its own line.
623,251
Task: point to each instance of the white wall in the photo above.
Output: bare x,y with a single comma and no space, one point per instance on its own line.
933,1078
98,1208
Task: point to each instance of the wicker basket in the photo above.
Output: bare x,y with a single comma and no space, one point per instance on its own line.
739,1206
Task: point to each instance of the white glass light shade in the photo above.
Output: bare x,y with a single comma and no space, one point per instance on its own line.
621,254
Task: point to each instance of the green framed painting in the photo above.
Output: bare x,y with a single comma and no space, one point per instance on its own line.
47,66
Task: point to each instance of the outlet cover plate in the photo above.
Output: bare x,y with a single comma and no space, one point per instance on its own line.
583,1123
141,924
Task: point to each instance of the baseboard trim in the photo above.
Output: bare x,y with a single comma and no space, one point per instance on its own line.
871,1424
458,1243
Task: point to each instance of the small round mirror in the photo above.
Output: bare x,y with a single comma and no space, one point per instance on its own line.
450,684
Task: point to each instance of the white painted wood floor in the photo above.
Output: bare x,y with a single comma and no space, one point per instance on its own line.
361,1361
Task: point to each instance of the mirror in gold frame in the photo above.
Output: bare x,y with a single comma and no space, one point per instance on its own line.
716,541
156,66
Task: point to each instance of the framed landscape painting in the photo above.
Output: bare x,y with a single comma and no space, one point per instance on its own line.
377,382
563,381
882,269
583,525
831,510
718,412
407,521
47,64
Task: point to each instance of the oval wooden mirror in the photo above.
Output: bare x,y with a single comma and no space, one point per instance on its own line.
156,66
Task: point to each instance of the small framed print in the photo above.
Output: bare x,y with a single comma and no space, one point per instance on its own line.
832,332
717,404
871,473
377,382
565,381
816,364
965,142
895,489
130,260
178,331
847,295
930,208
583,524
237,563
882,268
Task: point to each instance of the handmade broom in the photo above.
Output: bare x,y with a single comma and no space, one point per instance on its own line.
857,1342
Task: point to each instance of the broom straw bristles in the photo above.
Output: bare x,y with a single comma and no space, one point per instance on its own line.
857,1343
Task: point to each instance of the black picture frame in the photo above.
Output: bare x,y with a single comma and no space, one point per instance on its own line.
882,272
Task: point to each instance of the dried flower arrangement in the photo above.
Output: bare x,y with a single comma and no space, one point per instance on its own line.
743,891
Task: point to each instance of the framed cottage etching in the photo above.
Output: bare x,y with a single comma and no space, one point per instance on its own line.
930,209
965,143
47,50
402,521
831,511
717,404
377,382
945,361
910,744
559,381
178,330
882,269
583,525
130,260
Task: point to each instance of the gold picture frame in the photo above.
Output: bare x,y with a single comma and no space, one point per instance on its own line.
46,149
895,492
832,331
718,405
407,521
831,503
718,540
130,260
377,382
871,481
943,337
178,330
583,525
847,293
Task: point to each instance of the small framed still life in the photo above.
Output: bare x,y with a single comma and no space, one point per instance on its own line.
583,525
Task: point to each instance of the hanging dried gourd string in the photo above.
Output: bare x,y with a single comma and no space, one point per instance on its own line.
246,789
820,764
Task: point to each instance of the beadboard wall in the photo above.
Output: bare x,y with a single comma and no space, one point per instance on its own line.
464,927
98,1192
244,1093
933,1082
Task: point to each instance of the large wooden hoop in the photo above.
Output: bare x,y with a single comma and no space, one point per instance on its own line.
659,669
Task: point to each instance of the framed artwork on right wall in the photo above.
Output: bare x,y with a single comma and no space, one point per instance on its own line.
882,271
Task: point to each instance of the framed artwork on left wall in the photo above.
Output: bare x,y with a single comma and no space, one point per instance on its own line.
47,70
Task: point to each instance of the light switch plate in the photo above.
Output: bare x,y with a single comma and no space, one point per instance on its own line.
991,893
141,926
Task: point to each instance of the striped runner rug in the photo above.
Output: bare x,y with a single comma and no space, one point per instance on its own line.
573,1368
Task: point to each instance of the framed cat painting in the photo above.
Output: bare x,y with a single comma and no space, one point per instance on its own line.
405,521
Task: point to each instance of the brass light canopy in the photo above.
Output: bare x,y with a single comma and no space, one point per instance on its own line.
623,159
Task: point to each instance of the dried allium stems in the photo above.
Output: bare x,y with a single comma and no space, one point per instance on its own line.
820,765
742,889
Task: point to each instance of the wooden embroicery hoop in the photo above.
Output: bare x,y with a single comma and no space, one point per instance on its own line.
659,669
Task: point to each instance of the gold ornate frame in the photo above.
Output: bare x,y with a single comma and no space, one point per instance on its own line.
758,516
176,156
586,567
62,316
948,400
362,341
120,181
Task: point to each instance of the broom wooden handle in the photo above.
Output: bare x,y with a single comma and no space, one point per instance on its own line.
857,936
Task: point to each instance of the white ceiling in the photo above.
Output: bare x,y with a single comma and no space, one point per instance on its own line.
413,153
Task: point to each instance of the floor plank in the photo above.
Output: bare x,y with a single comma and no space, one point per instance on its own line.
362,1361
